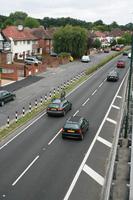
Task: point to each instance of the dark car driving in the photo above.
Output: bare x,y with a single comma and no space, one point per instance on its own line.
75,127
113,76
120,64
6,96
59,107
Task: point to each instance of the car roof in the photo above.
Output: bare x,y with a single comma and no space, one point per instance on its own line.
75,119
1,91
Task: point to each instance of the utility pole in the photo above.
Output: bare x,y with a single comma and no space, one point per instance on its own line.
129,98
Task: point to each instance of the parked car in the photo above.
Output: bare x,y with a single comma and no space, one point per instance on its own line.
32,60
58,107
120,64
75,127
113,76
106,50
53,54
6,96
85,58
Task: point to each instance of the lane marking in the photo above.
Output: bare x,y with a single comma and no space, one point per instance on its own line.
54,137
76,113
85,102
111,120
94,92
25,170
102,140
74,181
120,97
100,85
118,108
94,175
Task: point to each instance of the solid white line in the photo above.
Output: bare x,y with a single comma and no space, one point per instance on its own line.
100,85
120,97
118,108
22,130
25,171
85,102
97,177
76,113
111,120
54,137
90,148
102,140
94,92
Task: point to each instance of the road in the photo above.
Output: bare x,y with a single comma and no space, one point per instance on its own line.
37,164
32,88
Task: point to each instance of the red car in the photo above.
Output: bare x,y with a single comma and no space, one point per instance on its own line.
120,64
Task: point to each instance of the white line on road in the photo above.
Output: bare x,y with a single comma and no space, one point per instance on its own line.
100,85
94,92
85,102
120,97
25,171
54,137
97,177
76,113
118,108
111,120
102,140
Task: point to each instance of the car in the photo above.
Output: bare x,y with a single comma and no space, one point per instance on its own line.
129,55
106,50
120,64
6,96
125,53
32,60
53,54
113,76
113,48
58,107
85,58
75,127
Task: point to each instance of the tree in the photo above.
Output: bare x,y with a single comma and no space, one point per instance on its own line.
97,43
127,36
121,41
31,22
18,15
70,39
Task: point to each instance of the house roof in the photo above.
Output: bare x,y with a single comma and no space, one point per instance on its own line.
41,33
15,34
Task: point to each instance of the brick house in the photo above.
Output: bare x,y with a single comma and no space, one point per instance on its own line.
23,42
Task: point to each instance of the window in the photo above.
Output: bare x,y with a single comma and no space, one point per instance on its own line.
15,42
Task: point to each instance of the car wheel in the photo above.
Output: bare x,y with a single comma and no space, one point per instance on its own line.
13,98
81,137
70,107
2,103
64,112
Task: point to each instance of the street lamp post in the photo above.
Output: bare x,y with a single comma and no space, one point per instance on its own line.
129,90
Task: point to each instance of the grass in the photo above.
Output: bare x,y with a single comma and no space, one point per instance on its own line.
5,131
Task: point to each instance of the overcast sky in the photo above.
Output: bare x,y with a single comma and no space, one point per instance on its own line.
120,11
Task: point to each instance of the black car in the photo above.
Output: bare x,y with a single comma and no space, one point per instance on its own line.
125,53
59,107
6,96
75,127
113,76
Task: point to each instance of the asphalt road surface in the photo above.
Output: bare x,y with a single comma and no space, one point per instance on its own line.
37,164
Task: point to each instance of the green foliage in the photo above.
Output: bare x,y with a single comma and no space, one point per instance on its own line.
64,55
18,15
121,41
71,39
113,42
127,37
97,43
31,22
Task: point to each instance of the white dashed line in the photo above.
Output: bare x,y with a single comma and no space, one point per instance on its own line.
76,113
85,102
54,137
118,108
111,120
97,177
120,97
100,85
102,140
94,92
25,171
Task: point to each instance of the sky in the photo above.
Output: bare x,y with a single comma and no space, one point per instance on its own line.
108,11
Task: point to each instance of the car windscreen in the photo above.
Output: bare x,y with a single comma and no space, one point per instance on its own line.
71,126
54,105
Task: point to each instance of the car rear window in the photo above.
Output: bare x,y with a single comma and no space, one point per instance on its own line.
54,105
71,126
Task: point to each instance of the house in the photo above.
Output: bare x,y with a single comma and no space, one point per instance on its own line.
23,42
44,38
5,49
